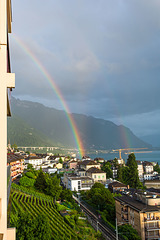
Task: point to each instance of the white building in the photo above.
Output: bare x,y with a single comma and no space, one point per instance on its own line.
34,160
80,183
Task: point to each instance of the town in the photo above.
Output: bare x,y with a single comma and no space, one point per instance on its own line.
136,202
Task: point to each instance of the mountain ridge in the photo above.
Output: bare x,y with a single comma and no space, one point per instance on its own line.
52,125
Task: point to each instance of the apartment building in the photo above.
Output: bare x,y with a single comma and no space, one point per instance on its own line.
76,183
7,82
96,174
86,164
142,212
16,162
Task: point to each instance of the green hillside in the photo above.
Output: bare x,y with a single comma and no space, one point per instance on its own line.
36,124
38,205
23,134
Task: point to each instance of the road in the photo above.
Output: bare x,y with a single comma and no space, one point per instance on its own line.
96,222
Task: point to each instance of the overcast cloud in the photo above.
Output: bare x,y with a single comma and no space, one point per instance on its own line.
103,55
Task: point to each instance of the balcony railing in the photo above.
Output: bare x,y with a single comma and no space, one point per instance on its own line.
151,219
153,237
124,210
152,228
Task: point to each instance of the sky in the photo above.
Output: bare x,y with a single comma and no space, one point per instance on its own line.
104,56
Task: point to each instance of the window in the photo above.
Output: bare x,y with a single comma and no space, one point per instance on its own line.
99,177
94,176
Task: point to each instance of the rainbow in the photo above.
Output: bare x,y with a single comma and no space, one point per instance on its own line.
58,93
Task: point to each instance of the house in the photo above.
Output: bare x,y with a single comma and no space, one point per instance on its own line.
58,165
16,163
50,170
100,160
148,167
34,160
77,183
86,164
72,164
140,170
66,176
142,212
81,172
117,186
155,183
56,158
97,174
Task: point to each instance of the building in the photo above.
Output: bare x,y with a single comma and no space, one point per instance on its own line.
117,186
152,183
34,160
86,164
72,164
7,80
100,160
16,162
140,170
148,167
142,212
97,174
77,183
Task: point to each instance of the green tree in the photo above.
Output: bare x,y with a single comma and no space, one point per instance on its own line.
27,182
107,168
99,196
132,177
66,194
29,228
40,182
129,232
60,160
156,168
120,174
53,187
30,175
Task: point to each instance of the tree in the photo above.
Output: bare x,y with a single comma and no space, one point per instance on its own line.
29,228
27,182
53,187
120,174
99,196
132,172
129,232
107,168
66,194
60,160
156,168
40,182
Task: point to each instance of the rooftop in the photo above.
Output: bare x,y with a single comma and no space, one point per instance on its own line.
95,170
136,204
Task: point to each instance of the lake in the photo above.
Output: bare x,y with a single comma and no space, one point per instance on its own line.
153,156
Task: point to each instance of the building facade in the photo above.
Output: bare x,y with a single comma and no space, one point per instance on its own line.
142,212
7,81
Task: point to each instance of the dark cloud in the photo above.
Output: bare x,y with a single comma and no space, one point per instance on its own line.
104,56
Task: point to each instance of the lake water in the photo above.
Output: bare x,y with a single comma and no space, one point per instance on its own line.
153,156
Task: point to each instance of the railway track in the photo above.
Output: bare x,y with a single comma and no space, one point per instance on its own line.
96,222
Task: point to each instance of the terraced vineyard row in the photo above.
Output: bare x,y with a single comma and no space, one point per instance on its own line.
34,206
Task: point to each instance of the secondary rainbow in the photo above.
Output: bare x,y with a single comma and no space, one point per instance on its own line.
57,92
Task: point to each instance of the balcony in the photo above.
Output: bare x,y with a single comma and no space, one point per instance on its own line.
153,237
152,228
151,219
124,210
